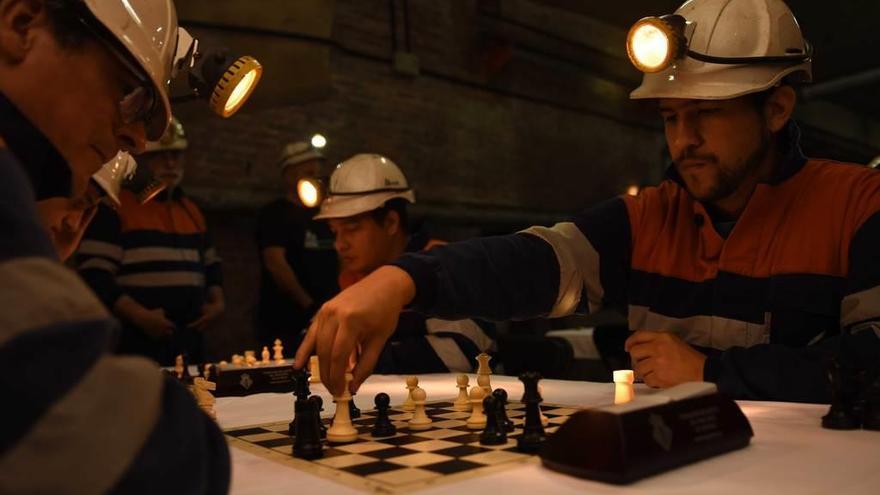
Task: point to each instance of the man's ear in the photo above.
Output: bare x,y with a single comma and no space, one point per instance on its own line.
392,222
18,19
779,107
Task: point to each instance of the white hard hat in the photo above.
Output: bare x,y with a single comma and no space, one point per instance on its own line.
174,139
298,152
363,183
112,174
148,30
731,48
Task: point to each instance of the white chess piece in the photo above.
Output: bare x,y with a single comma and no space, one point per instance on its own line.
250,358
477,421
342,431
420,419
265,355
411,383
544,419
237,360
623,386
463,402
278,348
483,372
201,389
314,370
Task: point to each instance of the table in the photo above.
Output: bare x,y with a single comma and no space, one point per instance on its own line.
790,452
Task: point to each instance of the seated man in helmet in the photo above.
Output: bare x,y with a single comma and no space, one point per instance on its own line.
78,84
750,266
153,262
298,265
366,210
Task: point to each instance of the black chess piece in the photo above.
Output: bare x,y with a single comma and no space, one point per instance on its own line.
533,436
353,411
319,406
301,392
383,426
501,396
494,432
871,412
307,434
844,394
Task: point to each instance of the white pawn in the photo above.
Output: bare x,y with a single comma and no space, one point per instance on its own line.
623,386
342,431
411,383
477,421
265,355
463,402
278,348
420,419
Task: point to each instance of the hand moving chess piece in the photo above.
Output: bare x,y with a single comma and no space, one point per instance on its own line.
623,386
342,431
383,426
494,433
420,419
501,396
533,431
411,383
463,402
278,348
477,421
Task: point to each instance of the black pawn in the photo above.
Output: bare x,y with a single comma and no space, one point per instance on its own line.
353,411
493,433
301,391
319,406
533,431
842,415
383,426
501,396
307,435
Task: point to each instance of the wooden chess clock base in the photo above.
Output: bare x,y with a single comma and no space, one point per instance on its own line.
655,433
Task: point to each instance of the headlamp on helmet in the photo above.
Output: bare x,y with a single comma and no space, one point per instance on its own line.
655,43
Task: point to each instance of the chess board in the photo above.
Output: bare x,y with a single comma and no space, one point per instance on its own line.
410,460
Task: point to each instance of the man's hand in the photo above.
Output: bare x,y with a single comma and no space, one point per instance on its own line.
364,315
662,359
154,323
210,312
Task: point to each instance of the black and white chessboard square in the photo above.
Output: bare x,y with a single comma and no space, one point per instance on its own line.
410,458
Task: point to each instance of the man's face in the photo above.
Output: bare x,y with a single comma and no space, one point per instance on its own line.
166,166
294,173
361,243
715,145
72,94
66,219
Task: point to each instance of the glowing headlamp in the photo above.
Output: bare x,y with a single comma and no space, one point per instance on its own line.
310,192
655,43
224,80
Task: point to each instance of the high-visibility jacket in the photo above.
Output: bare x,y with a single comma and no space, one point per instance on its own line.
766,303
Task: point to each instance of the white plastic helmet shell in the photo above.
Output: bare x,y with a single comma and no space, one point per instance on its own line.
363,183
730,28
112,174
148,30
174,139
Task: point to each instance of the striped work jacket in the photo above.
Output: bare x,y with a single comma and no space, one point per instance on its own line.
158,253
766,304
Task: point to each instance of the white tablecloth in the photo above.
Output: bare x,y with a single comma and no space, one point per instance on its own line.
790,452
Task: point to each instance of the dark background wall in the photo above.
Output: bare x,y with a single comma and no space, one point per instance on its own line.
502,113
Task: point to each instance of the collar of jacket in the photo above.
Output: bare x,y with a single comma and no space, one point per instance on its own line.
48,172
792,162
